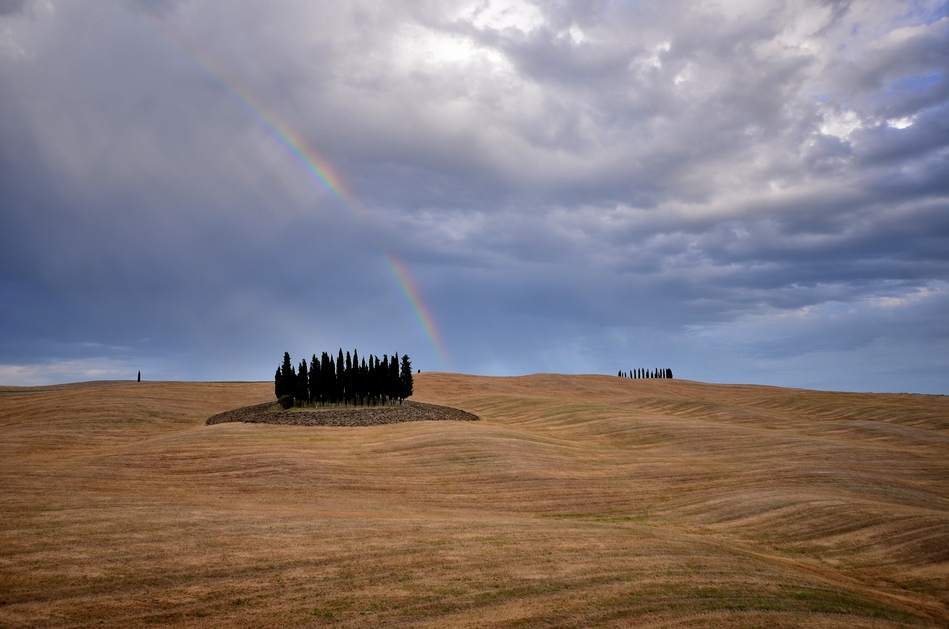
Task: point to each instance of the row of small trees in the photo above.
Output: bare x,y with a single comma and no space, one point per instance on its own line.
646,373
345,380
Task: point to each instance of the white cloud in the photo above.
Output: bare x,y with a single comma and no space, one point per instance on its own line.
65,371
901,123
505,14
840,125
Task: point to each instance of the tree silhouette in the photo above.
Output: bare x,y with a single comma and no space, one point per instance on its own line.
286,382
302,390
340,377
347,380
405,378
314,380
327,378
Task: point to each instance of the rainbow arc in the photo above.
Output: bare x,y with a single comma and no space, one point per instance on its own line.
320,171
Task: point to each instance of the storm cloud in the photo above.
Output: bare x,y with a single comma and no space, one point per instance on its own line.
741,191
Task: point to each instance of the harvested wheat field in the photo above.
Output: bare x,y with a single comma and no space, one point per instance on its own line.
575,501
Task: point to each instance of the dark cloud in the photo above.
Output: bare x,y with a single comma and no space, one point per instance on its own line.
9,7
152,7
732,190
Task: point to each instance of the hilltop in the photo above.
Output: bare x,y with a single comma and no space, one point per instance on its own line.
575,501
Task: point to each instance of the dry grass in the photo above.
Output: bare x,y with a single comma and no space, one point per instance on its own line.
576,501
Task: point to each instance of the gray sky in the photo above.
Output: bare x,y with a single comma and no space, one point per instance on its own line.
741,191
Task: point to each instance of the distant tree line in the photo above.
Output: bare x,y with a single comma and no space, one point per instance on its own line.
646,373
345,380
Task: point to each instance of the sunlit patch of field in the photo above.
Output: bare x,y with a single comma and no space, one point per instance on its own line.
576,501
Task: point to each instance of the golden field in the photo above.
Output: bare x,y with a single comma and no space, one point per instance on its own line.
576,501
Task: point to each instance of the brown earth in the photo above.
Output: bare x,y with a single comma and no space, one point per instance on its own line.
408,411
575,501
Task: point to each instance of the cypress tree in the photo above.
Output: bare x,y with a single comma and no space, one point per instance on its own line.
277,384
669,374
384,378
371,381
327,377
406,378
302,392
348,379
340,377
375,384
355,378
394,384
288,377
314,380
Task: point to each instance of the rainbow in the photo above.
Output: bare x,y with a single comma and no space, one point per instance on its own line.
423,315
320,171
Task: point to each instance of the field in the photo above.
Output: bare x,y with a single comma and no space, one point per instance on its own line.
575,501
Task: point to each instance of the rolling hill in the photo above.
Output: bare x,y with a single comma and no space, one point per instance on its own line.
575,501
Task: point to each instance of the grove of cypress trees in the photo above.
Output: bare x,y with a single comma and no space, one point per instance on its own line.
346,380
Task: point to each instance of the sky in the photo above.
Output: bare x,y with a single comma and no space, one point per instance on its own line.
741,191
